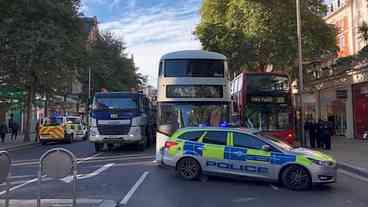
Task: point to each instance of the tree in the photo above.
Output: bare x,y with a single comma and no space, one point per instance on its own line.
363,31
40,44
256,33
110,66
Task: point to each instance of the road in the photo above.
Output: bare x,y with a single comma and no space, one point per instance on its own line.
130,178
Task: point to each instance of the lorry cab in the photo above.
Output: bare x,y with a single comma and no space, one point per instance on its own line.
119,118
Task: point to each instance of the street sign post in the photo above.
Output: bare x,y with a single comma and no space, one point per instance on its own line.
5,163
58,163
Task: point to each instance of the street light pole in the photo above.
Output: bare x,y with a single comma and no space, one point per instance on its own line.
301,79
89,83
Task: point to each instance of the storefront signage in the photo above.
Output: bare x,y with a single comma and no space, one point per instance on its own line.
360,77
341,94
268,99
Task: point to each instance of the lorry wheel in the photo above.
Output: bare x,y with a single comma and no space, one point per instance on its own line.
110,147
296,177
98,147
142,146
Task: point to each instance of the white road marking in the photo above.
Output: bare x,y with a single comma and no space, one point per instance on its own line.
133,189
36,179
63,202
69,179
89,158
19,186
274,187
243,200
20,176
36,162
358,177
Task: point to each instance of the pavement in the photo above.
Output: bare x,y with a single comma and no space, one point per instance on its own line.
351,154
19,142
127,177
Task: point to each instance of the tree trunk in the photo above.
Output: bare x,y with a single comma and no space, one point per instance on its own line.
46,109
27,129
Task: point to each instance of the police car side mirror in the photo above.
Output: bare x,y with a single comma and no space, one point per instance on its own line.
266,148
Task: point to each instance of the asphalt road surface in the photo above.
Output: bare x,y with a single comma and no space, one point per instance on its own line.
130,178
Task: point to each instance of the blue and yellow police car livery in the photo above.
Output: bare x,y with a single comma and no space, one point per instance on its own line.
192,151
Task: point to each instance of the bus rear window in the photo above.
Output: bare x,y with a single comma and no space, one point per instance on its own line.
194,68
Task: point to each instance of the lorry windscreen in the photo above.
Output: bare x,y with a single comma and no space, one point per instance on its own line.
123,103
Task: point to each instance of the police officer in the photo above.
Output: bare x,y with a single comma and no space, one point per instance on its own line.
328,134
319,135
313,131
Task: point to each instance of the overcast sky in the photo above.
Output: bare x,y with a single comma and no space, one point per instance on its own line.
150,28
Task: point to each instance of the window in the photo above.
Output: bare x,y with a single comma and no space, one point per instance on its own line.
195,68
213,137
191,136
199,91
244,140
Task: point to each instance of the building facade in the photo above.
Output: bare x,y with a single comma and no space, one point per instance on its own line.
347,16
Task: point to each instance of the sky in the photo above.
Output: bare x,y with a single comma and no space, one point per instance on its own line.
150,28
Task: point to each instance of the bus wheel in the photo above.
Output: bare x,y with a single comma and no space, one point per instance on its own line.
188,168
98,147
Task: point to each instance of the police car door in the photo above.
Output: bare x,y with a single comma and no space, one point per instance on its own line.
255,162
214,150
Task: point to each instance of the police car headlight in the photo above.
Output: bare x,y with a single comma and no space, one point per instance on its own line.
93,131
322,163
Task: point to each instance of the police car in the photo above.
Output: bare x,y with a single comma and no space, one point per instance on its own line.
192,151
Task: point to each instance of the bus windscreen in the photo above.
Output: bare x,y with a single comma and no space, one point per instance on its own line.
267,83
194,68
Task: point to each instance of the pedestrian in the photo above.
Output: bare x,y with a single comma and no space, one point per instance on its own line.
3,131
37,129
313,131
328,133
307,126
14,131
319,135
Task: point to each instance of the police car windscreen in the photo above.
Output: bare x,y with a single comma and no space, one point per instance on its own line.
115,103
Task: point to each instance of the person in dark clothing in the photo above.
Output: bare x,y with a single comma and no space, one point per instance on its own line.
3,131
14,131
313,134
319,130
328,133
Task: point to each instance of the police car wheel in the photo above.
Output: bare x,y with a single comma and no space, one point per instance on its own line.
188,168
296,177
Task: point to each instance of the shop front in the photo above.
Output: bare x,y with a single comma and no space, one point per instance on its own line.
360,107
333,108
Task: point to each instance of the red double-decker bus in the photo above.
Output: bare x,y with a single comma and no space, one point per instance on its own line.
263,101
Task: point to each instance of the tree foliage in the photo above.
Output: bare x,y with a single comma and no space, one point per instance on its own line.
256,33
40,43
111,67
363,31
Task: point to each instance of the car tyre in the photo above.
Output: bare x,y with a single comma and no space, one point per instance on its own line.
43,142
188,168
296,177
